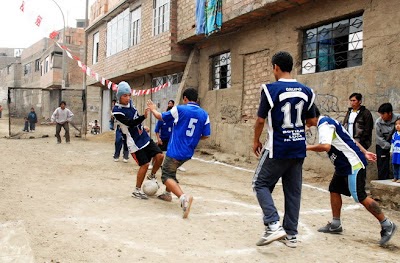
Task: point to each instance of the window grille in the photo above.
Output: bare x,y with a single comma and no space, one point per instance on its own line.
221,71
333,46
172,79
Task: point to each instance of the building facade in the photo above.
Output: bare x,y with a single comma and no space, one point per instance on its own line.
339,47
37,78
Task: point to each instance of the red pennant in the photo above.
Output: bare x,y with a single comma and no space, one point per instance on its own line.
53,34
38,20
22,7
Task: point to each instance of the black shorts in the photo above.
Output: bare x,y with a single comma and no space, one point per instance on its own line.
144,155
356,188
164,145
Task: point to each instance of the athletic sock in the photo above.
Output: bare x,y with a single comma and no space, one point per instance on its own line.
336,222
274,225
385,222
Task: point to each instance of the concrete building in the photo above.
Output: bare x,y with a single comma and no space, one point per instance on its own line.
36,77
339,47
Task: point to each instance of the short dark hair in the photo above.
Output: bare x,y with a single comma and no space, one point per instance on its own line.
357,95
63,102
114,100
191,94
385,107
172,101
284,60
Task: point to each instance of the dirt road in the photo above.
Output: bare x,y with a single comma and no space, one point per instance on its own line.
72,203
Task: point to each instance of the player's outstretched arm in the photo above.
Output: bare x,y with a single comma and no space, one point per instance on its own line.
152,107
319,147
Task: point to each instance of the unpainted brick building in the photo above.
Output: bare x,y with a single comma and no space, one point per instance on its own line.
339,47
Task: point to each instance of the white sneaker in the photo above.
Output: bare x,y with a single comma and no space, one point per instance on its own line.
186,203
116,159
138,193
290,242
180,168
271,235
125,160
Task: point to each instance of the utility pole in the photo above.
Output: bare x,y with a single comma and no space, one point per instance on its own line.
63,81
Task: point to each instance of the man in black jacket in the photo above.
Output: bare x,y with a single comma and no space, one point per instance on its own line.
358,121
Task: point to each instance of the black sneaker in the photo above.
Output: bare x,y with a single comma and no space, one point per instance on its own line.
331,229
387,233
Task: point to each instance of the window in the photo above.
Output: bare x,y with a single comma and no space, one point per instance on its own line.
160,16
135,26
172,79
27,69
118,33
37,65
68,40
221,71
18,52
333,46
95,48
46,65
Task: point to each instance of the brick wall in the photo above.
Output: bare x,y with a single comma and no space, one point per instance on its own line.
149,52
231,9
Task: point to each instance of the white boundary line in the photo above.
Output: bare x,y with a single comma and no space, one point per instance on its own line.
251,171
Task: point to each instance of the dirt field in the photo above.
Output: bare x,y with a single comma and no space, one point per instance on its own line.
72,203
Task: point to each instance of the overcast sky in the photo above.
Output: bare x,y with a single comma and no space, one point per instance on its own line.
18,29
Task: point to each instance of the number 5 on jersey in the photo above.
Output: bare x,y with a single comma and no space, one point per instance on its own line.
191,127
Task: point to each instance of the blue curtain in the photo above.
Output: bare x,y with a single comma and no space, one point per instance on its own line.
213,16
200,16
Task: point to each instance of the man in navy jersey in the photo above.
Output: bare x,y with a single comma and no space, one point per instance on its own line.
191,124
347,155
285,103
140,145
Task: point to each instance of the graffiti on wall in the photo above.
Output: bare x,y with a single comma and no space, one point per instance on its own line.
327,103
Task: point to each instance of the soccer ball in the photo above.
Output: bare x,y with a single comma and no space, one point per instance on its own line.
150,187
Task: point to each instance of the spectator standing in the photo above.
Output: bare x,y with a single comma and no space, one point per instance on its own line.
62,116
358,121
1,111
384,127
395,150
286,103
120,143
112,119
32,119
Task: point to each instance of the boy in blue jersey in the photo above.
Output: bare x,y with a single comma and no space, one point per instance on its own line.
191,124
163,132
163,129
395,151
286,103
350,161
140,145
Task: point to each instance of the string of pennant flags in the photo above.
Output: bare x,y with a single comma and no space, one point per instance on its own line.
38,20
